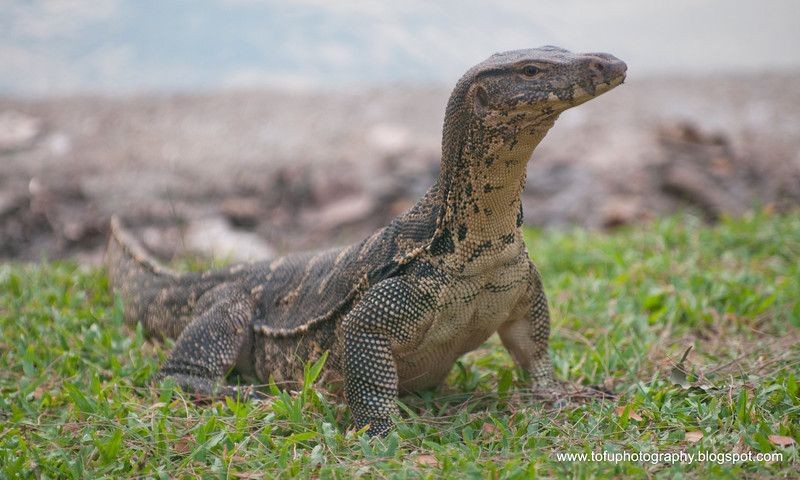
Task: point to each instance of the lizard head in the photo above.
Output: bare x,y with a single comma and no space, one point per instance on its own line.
503,107
539,82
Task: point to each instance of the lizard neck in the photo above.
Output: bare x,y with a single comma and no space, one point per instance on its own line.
481,181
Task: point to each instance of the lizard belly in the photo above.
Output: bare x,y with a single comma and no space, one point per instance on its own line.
283,359
472,310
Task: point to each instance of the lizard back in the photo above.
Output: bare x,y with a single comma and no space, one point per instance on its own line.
299,291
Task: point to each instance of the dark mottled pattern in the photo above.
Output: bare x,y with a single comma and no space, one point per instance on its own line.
396,310
442,243
507,238
462,232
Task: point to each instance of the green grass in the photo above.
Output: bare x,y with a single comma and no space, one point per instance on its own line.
76,401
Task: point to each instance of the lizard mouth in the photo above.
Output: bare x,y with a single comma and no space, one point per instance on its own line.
614,82
582,96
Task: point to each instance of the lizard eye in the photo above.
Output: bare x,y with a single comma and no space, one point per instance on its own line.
530,70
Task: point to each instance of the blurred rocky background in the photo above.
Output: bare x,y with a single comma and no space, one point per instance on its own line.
259,163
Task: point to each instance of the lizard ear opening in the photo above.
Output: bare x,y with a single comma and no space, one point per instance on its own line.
480,100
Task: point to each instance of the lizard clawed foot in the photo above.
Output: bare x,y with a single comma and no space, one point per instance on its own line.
243,392
378,427
205,390
561,394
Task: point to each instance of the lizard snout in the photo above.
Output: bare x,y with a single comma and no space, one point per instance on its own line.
606,67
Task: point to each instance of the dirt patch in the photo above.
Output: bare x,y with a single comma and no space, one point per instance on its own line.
279,171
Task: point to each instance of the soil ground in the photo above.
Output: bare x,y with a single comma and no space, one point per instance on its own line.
247,174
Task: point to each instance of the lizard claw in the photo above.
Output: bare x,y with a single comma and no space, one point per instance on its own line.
561,394
378,427
252,394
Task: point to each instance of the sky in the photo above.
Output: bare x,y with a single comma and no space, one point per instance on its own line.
119,46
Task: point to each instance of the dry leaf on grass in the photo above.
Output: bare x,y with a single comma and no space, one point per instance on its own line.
39,392
181,446
71,428
781,441
249,475
693,436
631,415
427,461
489,429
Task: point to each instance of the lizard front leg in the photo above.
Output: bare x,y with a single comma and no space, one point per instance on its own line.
526,336
209,347
389,317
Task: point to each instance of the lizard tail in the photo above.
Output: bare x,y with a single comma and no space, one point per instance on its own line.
151,293
126,258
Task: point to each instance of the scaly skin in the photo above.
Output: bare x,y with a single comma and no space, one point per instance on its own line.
396,310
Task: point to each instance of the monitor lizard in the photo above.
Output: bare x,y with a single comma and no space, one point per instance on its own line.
396,310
